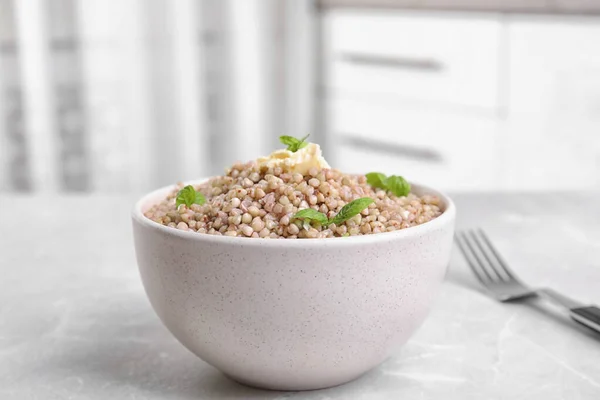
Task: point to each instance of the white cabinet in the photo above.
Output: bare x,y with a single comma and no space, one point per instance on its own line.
440,58
465,101
443,147
553,127
415,94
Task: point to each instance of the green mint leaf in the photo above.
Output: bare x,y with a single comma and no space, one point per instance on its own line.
394,183
288,140
302,145
351,209
398,185
200,199
376,179
293,144
189,196
303,142
309,214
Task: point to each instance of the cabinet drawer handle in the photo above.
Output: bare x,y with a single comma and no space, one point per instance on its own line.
421,64
408,151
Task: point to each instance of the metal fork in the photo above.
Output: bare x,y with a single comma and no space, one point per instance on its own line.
502,283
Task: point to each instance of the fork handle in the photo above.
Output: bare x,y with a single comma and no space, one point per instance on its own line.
588,316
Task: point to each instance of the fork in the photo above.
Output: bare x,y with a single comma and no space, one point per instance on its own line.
502,283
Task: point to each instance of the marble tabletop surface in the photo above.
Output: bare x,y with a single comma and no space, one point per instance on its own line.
75,322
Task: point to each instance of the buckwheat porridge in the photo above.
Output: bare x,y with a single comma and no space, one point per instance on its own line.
294,193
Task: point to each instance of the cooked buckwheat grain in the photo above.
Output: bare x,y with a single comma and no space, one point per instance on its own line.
255,203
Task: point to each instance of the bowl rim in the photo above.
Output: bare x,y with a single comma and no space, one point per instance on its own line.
447,216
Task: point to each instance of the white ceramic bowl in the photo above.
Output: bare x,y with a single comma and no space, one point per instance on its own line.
292,314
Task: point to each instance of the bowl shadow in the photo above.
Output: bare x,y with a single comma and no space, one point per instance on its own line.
128,353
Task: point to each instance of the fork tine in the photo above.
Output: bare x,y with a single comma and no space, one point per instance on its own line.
464,247
500,260
487,255
480,262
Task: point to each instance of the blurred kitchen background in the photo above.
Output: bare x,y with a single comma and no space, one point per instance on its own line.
465,95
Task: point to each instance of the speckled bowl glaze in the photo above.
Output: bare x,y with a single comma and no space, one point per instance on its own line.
292,314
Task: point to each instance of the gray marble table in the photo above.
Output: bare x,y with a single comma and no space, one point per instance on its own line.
75,322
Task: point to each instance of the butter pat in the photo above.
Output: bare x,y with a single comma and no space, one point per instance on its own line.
300,161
